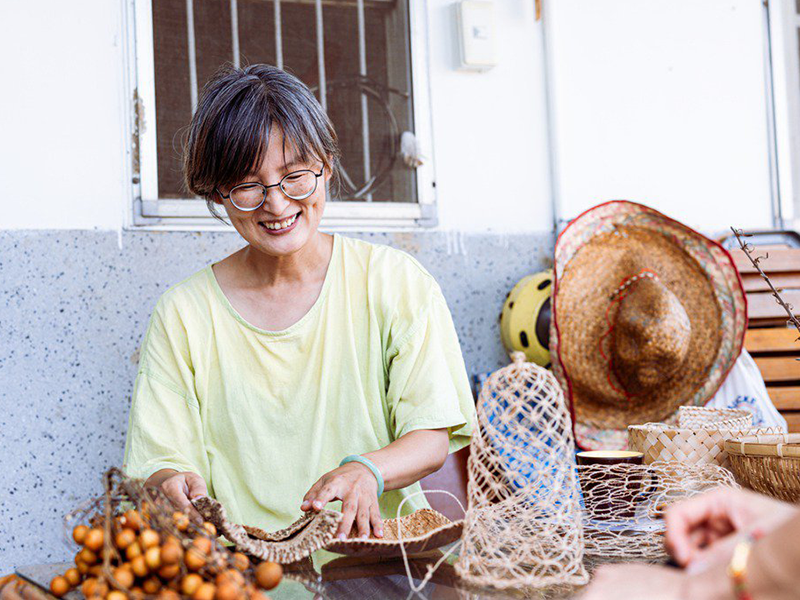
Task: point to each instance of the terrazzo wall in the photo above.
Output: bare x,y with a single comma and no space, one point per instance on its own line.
73,308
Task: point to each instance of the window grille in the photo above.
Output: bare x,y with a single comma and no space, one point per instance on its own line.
355,55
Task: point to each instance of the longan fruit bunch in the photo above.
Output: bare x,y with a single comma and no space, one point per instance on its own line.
152,563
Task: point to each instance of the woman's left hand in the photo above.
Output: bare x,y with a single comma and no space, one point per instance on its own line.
355,485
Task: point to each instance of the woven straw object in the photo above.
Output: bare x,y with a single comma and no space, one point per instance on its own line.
523,526
624,504
699,437
769,464
648,315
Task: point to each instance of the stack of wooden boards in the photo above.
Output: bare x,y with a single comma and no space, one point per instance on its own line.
774,346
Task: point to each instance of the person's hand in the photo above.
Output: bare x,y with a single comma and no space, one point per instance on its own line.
355,485
699,529
183,487
635,581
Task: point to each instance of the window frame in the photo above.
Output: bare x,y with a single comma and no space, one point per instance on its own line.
147,212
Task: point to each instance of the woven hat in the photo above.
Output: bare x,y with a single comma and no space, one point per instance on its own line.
648,315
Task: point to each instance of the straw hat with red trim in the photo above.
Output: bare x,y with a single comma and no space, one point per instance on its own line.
648,315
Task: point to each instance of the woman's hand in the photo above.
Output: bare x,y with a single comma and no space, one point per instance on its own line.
699,529
356,486
180,488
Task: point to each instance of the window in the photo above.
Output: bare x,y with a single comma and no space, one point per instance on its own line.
364,60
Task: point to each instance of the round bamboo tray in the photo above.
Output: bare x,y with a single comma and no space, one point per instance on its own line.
769,464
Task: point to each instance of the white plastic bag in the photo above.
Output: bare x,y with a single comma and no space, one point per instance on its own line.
744,388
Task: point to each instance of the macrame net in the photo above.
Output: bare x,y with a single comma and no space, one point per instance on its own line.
523,525
624,504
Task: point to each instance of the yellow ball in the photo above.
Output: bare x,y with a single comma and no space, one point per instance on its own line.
525,319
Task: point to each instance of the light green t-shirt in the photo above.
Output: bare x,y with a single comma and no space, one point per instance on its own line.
261,415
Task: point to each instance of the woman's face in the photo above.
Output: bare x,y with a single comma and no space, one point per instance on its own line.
281,226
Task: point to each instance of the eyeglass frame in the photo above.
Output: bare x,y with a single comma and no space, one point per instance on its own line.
267,187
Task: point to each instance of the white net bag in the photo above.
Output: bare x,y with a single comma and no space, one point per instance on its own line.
523,524
624,504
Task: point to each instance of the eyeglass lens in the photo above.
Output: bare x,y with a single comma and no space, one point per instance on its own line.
295,185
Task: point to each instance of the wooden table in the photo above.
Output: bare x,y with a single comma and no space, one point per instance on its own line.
329,577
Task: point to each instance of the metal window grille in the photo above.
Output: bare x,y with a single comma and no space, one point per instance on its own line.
354,54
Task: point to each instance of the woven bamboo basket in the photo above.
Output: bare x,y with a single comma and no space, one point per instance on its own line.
699,437
769,464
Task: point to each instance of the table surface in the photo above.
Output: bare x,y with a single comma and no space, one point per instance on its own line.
333,577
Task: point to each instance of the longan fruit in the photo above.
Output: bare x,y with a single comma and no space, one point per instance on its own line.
59,586
228,591
116,595
149,538
94,540
96,570
254,594
82,567
230,576
73,577
153,558
210,528
203,544
240,561
139,567
151,585
86,556
268,575
167,594
133,551
125,538
133,520
169,571
181,520
194,559
124,576
190,583
171,553
79,534
88,586
206,591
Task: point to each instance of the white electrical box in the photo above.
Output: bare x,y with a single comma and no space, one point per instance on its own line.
476,34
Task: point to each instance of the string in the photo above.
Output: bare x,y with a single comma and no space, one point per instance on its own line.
416,589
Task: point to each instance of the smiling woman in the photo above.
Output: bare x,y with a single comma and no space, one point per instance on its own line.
304,368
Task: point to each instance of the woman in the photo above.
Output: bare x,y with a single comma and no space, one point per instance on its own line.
305,368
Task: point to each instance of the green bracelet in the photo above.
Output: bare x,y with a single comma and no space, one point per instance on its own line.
367,463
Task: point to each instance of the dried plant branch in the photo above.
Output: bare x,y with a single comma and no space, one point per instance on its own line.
749,250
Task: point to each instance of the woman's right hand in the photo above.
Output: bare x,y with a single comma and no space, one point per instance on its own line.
699,530
180,488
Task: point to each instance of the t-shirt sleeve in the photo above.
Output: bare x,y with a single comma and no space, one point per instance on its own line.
428,383
164,426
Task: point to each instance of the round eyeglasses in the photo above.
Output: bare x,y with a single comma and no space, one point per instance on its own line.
297,185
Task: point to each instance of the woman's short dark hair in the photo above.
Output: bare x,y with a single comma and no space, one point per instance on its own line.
230,129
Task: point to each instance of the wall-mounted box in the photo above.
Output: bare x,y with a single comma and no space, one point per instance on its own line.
476,34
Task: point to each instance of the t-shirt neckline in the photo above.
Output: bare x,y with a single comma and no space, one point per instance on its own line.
298,325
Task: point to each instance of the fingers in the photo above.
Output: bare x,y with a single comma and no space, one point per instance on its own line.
349,508
174,489
697,522
375,519
362,519
311,495
197,486
328,493
181,488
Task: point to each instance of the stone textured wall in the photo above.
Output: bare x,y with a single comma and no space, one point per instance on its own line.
73,308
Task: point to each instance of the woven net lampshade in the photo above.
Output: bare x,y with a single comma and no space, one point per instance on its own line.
523,525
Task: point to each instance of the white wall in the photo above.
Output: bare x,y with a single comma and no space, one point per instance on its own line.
61,115
659,101
662,102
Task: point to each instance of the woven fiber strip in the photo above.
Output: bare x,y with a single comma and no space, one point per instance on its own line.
698,439
307,535
624,504
523,526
